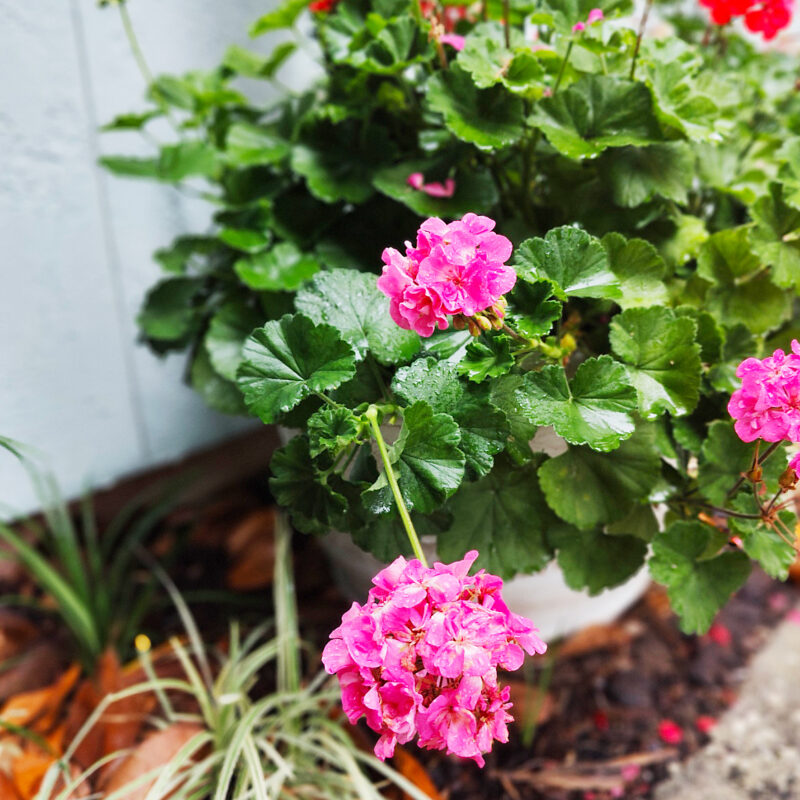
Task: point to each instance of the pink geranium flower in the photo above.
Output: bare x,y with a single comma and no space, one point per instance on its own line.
420,658
455,269
767,406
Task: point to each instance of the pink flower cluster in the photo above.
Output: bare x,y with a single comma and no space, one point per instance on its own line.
421,657
760,16
768,404
455,268
595,15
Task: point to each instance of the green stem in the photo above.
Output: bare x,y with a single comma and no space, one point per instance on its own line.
507,22
563,66
133,42
141,61
372,416
642,26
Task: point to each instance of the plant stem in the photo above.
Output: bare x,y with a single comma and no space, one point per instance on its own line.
507,21
372,416
133,42
513,334
642,26
141,62
563,66
770,450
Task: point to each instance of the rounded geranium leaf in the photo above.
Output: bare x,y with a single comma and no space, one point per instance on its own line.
698,586
353,304
281,268
594,408
505,517
573,261
229,328
427,459
487,118
662,356
586,488
289,359
597,112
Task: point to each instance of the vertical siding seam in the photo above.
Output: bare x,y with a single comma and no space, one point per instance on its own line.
109,239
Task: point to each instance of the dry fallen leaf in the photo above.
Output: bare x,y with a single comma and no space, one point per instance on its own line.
251,546
27,708
599,637
7,789
39,665
155,750
412,770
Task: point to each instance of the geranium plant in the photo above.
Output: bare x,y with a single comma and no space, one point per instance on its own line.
599,227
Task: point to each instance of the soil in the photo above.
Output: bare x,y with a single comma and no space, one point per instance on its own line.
602,715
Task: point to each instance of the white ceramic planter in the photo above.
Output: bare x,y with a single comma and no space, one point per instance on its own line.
544,597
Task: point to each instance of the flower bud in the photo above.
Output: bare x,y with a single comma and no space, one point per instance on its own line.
473,327
788,479
482,322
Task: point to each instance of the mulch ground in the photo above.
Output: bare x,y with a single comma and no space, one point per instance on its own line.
602,715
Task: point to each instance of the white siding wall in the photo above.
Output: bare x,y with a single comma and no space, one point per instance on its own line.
76,243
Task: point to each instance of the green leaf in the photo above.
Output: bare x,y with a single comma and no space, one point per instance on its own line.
315,506
595,113
594,561
487,118
282,17
639,269
572,260
760,542
426,459
594,408
288,360
662,356
679,102
170,311
505,395
531,312
130,167
398,44
247,241
255,65
386,538
641,523
725,457
336,170
217,393
742,290
475,189
332,429
353,304
247,144
639,174
187,253
229,328
697,588
187,159
587,488
563,14
505,518
131,121
709,334
283,267
776,238
486,58
484,430
688,233
487,357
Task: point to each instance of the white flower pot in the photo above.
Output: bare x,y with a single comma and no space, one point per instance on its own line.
544,597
